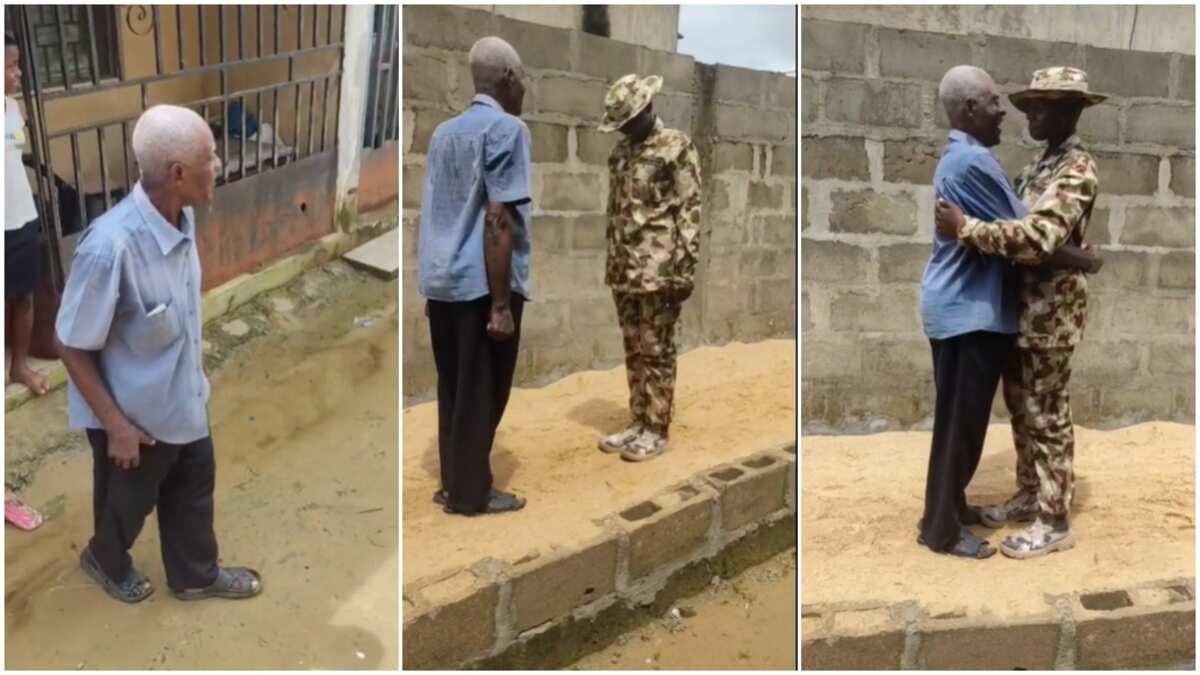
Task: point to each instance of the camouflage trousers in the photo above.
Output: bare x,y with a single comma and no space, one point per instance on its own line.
648,328
1036,393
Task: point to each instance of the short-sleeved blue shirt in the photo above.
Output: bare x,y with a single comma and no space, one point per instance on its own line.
962,290
479,156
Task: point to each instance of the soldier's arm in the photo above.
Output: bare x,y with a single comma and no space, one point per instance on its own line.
1072,257
687,182
1032,240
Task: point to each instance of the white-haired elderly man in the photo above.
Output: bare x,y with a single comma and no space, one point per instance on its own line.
474,250
128,330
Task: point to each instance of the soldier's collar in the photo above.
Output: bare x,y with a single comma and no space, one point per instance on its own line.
658,127
1069,144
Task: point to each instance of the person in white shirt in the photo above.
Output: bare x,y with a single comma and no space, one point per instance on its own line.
22,240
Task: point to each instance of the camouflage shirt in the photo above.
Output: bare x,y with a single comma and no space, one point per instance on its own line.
1059,188
653,212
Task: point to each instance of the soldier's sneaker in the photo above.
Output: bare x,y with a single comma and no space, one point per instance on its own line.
1038,539
647,445
617,442
1020,508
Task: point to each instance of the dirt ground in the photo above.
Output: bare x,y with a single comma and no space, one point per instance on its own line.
861,497
730,401
746,623
304,420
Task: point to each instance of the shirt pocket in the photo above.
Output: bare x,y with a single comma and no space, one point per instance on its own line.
153,332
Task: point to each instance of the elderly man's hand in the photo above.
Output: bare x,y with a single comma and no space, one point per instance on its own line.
124,444
948,218
500,325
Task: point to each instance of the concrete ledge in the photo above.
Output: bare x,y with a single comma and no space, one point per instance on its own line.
549,609
1139,627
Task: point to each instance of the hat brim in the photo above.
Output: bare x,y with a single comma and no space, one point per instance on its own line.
654,85
1021,99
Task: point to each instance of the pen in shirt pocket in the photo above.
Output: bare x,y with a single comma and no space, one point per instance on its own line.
157,310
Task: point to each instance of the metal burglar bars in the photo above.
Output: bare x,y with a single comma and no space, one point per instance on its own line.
81,62
382,123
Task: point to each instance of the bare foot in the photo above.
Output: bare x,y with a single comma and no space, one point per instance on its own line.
29,377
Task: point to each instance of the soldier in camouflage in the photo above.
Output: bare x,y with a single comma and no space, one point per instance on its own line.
653,245
1059,186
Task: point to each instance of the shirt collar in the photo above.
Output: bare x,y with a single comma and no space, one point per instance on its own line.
166,234
1071,143
963,137
488,101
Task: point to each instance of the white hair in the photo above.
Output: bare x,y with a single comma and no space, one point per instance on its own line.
489,58
960,84
166,134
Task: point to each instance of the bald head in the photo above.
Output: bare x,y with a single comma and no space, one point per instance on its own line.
489,59
165,135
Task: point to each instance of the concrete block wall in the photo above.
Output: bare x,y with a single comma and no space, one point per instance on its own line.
872,132
743,123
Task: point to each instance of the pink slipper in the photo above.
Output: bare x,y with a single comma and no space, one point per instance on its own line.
21,515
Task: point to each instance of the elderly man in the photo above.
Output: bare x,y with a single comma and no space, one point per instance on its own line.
1059,187
474,272
129,334
968,310
653,245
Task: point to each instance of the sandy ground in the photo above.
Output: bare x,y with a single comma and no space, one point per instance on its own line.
731,401
304,422
746,623
861,497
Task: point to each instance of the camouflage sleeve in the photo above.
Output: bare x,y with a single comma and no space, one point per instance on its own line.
1048,225
687,184
612,185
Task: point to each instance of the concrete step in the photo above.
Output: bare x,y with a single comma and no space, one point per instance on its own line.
380,256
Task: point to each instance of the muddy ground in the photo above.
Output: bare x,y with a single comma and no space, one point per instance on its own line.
304,414
744,623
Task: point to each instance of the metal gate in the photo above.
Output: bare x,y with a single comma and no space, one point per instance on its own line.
257,82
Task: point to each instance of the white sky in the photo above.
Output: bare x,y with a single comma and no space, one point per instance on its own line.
762,37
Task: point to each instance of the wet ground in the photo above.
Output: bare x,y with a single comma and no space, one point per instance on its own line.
304,415
745,623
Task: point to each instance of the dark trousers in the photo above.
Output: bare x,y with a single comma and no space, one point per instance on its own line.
178,479
966,372
475,375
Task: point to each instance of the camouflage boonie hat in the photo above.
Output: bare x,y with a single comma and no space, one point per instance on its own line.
1059,82
626,98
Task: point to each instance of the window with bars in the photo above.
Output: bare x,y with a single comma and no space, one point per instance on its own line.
62,42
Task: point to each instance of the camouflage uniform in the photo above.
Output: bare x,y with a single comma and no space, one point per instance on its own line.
1059,188
653,246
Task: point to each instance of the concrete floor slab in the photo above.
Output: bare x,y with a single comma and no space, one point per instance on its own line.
380,256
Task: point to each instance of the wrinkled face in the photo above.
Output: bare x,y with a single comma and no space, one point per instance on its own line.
1049,118
984,114
194,180
12,70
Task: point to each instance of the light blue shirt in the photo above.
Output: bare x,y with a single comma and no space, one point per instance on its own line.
479,156
133,296
962,290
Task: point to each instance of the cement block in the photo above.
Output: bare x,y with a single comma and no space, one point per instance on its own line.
675,110
551,234
920,55
874,102
1144,315
590,232
901,356
732,156
805,316
1127,173
668,530
804,208
1102,359
427,121
903,262
1183,175
1127,73
1186,89
540,47
809,98
1157,226
594,147
843,157
890,310
571,96
780,91
1134,636
445,27
572,192
881,651
549,142
834,262
783,160
753,264
1013,60
589,314
677,70
1100,123
835,47
1098,232
778,232
425,76
739,85
602,57
1123,270
462,90
769,196
1166,125
457,624
910,161
1177,270
750,490
552,585
971,644
1013,157
1173,358
738,122
868,211
413,181
380,256
545,322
